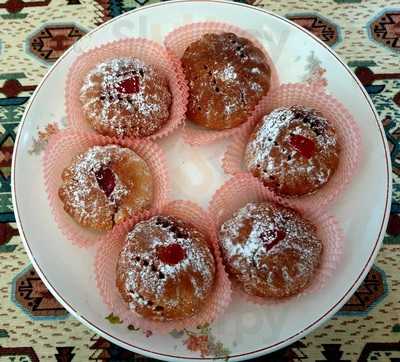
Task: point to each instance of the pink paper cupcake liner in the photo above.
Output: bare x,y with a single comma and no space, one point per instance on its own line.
64,146
176,43
146,50
106,263
347,132
242,189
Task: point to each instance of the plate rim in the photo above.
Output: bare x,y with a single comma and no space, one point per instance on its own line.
240,356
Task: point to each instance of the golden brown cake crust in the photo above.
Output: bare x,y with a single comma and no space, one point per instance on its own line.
293,151
166,270
271,251
227,76
130,187
124,97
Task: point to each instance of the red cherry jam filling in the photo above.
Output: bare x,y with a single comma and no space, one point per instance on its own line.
303,145
129,86
106,180
272,237
171,254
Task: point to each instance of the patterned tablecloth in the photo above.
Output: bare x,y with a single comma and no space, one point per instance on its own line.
33,34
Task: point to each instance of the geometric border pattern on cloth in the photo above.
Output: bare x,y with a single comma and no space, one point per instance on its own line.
384,28
50,41
372,291
31,296
320,26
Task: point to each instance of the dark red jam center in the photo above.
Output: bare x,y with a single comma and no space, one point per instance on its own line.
272,237
171,254
106,180
129,86
303,145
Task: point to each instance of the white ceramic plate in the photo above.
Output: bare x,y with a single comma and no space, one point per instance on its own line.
247,330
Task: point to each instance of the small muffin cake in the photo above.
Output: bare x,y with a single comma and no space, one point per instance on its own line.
126,98
166,270
227,76
269,250
105,185
293,151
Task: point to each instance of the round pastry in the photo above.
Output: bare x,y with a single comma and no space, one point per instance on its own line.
166,270
293,151
105,185
269,250
227,77
126,98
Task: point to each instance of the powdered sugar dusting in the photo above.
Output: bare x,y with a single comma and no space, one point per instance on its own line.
83,172
255,87
149,280
249,248
88,202
230,108
227,74
138,113
270,155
